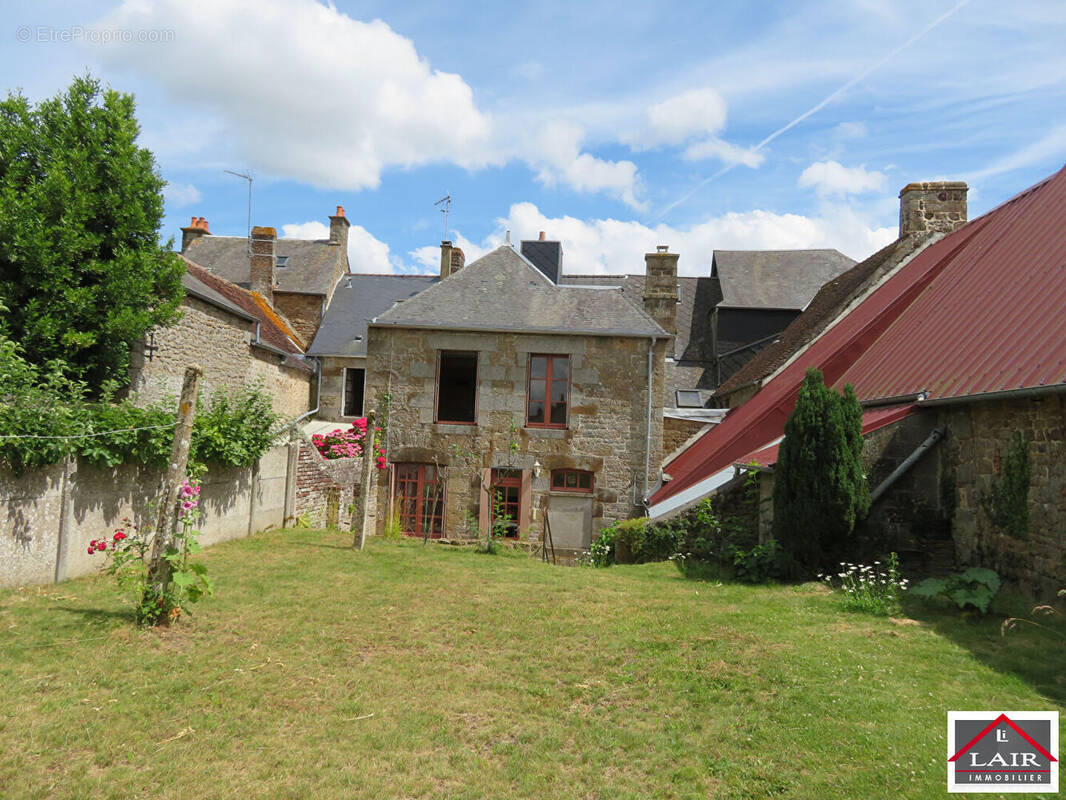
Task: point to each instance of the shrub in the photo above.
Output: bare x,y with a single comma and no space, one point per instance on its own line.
1007,503
975,587
868,588
820,490
759,564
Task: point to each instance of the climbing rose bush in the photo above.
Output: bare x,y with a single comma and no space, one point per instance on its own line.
349,442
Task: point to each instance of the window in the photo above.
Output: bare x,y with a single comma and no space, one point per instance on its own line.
571,480
689,398
420,500
549,391
457,387
506,499
353,391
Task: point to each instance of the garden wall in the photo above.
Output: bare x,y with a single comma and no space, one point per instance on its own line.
48,516
326,488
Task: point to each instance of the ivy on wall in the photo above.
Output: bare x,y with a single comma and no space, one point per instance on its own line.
1007,502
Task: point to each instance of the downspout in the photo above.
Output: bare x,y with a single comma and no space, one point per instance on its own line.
318,397
647,438
906,464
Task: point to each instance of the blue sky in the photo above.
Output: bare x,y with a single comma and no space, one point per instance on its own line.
613,127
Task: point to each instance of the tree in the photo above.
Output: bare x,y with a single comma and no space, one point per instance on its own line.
81,267
819,486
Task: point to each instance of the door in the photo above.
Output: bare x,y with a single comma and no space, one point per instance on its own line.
506,499
420,499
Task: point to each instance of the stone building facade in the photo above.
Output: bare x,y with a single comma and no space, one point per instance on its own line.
592,464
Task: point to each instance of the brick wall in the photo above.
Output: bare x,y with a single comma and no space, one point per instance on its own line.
326,487
220,343
606,433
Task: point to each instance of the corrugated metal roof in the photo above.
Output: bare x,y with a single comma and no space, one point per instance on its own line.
873,419
980,310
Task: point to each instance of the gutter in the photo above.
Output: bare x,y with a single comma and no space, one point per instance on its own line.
1003,394
633,334
318,398
898,400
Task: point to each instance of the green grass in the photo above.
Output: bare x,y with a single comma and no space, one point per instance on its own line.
403,671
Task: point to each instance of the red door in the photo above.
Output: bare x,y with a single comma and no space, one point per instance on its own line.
420,498
506,499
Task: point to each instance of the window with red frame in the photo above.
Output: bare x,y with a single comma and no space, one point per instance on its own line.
549,391
571,480
506,499
420,500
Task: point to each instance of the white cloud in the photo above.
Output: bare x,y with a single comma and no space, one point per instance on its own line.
1049,148
179,195
366,253
598,246
558,159
832,178
301,90
724,151
697,112
850,130
427,259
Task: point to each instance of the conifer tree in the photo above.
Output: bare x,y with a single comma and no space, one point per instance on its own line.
82,271
819,486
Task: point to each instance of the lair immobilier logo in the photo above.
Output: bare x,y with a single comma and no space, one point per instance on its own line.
1009,751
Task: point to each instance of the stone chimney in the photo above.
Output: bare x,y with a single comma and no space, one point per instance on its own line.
452,259
660,287
197,228
263,261
338,228
932,207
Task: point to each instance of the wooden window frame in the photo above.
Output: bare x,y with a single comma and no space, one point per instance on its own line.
547,389
436,386
344,393
508,482
419,512
574,489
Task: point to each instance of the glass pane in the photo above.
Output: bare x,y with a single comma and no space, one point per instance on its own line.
571,480
558,414
557,478
585,480
560,368
538,367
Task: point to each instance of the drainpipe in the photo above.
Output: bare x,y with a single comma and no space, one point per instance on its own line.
318,396
647,438
906,464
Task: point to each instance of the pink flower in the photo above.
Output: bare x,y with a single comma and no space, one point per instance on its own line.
101,546
91,550
119,536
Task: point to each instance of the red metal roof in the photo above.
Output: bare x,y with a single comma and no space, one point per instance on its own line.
872,420
981,310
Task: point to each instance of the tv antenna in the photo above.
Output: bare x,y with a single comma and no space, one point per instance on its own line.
446,201
249,179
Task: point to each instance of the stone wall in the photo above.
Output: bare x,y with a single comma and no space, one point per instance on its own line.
678,431
978,437
221,344
607,416
48,516
304,311
333,387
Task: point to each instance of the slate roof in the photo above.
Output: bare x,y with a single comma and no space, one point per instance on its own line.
357,300
310,267
827,304
274,330
775,278
502,291
974,314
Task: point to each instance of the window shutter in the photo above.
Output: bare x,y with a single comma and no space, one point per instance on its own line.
484,511
525,500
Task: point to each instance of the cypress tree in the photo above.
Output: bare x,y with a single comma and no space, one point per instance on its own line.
819,487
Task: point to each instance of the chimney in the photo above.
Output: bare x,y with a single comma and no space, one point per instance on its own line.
932,207
196,228
338,228
452,259
544,255
262,265
660,287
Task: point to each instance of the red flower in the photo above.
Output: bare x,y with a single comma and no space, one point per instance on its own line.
119,536
91,550
101,546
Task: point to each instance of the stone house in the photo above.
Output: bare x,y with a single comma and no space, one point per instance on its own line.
952,398
298,281
235,336
513,398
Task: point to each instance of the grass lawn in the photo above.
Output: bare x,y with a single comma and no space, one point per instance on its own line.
403,671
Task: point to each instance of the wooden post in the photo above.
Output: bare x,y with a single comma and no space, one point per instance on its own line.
369,456
159,568
65,505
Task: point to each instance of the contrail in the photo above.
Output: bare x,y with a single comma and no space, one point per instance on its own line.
818,106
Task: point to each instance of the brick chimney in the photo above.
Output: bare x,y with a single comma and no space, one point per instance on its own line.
660,287
932,207
196,228
338,228
452,259
263,261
